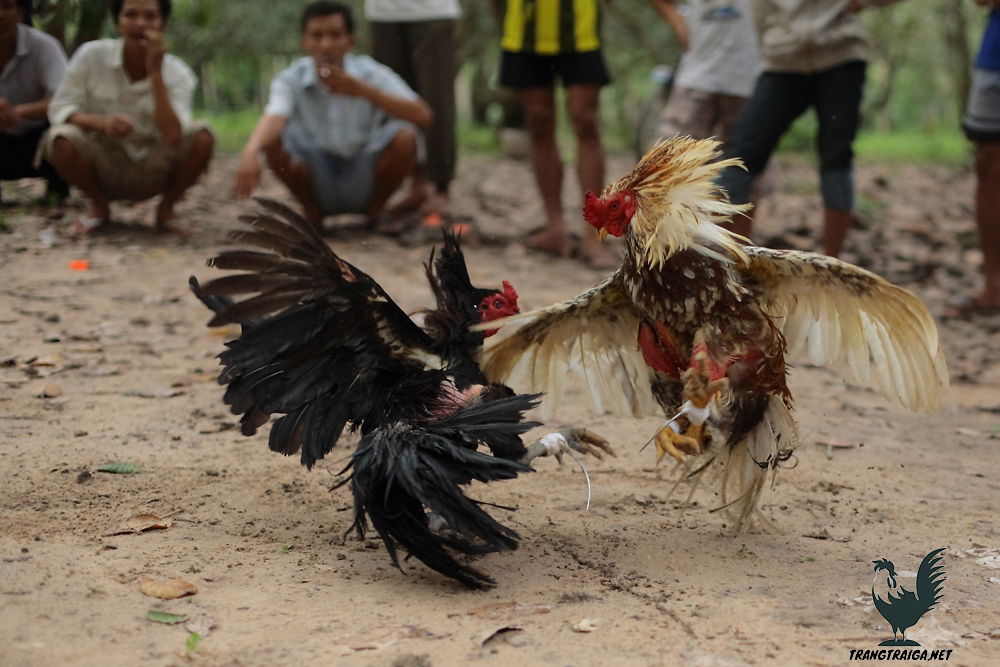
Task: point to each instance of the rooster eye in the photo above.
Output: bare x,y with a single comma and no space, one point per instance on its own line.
498,303
614,205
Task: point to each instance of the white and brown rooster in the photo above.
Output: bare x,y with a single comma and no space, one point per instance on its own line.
702,324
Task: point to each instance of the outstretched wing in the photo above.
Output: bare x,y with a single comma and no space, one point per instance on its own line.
320,337
595,334
839,312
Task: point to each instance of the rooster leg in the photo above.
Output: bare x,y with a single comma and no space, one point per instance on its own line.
677,445
703,381
568,440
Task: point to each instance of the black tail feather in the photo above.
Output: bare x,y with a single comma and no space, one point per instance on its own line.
402,471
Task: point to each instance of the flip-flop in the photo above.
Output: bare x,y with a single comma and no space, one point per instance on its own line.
83,226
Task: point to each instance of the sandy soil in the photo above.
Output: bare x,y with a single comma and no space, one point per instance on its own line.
124,346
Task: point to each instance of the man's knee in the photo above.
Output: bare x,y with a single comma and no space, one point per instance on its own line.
62,149
204,142
541,124
585,123
405,142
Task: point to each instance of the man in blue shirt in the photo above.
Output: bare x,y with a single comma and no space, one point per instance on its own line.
982,125
339,129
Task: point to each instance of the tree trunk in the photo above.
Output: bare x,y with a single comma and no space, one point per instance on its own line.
91,24
956,39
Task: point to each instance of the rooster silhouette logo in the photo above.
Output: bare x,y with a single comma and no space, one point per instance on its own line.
903,608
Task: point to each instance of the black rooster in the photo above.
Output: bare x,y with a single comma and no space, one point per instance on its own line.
325,346
904,609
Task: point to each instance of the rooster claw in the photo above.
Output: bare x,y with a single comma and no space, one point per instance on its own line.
585,442
567,441
675,444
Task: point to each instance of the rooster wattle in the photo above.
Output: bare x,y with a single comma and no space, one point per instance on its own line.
702,324
324,345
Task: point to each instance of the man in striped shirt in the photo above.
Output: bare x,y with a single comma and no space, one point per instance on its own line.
543,39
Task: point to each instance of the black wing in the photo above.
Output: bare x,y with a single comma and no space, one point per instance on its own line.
322,343
404,469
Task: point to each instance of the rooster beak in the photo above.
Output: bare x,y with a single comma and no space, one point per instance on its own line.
602,233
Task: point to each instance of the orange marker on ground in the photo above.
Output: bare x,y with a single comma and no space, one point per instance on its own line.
78,265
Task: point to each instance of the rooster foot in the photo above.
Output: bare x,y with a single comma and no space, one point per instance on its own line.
676,444
567,441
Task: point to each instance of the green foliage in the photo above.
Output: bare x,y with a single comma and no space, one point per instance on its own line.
232,129
920,58
943,146
191,645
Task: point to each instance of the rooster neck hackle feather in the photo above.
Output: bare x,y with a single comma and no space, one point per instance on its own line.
678,204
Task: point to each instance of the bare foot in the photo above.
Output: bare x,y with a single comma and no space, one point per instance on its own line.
436,202
167,221
551,242
981,304
95,218
414,201
595,254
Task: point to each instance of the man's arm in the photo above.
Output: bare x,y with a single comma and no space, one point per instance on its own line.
33,110
267,131
65,105
163,111
672,15
414,110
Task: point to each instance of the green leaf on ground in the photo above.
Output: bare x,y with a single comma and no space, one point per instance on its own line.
164,617
192,642
122,468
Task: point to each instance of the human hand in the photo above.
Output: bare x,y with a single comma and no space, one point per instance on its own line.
8,116
118,125
247,176
340,82
156,48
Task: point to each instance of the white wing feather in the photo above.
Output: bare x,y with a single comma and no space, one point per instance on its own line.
838,312
594,335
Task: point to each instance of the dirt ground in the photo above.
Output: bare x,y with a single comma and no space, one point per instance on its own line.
124,354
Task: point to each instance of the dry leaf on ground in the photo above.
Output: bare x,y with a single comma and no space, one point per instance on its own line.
200,625
167,589
483,636
503,610
382,636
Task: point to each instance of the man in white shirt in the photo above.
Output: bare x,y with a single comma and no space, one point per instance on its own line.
716,75
32,65
338,130
122,127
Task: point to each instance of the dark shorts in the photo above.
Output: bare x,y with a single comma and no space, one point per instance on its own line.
18,160
343,185
530,70
982,115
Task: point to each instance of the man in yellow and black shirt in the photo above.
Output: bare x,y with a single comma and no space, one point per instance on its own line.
543,39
